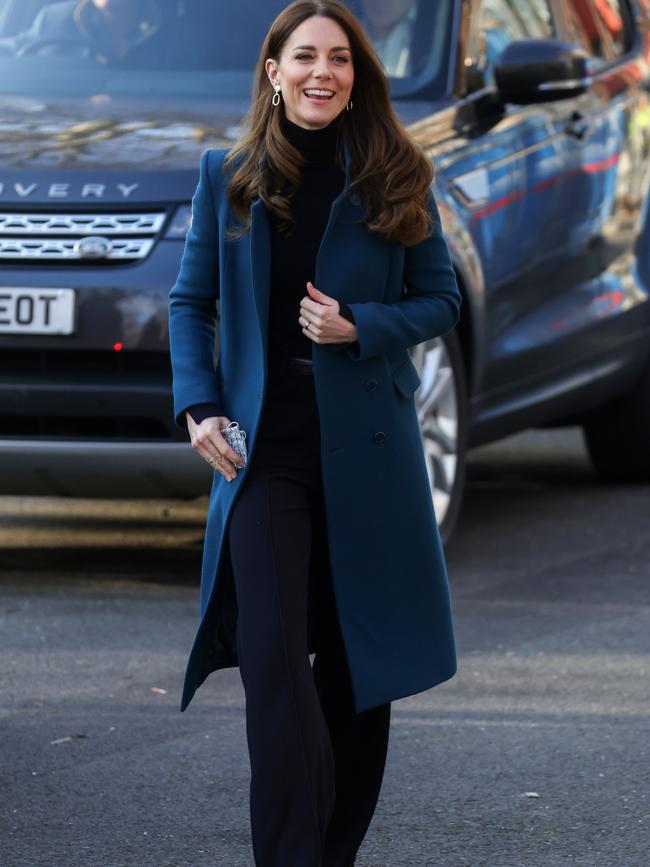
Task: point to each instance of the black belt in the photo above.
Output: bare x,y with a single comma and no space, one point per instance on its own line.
301,365
295,363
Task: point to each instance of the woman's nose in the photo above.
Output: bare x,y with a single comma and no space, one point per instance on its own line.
322,70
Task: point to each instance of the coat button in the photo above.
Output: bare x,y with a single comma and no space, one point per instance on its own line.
370,384
355,199
379,437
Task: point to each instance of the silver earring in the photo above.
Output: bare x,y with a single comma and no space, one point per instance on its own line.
349,106
276,95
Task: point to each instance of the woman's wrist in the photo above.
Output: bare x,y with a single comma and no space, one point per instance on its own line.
347,314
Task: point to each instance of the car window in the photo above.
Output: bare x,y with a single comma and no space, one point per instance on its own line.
504,21
202,45
602,27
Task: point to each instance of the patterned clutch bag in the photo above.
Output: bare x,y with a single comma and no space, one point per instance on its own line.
236,439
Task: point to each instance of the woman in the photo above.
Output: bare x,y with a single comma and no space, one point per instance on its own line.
320,237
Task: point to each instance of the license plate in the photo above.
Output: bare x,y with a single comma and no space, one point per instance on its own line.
36,311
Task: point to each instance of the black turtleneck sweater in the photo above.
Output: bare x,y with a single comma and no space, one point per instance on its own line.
293,258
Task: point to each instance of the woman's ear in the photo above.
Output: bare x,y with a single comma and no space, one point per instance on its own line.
271,71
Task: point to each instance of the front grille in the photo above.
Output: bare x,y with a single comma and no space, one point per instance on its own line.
80,224
76,363
51,427
62,236
25,248
84,394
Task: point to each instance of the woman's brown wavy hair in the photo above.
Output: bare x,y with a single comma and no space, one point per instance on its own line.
386,166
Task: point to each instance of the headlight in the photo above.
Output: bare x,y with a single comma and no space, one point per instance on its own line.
180,223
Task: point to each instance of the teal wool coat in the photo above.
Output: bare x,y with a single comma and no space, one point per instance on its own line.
387,563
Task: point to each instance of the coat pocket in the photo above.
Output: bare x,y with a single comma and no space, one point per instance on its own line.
406,378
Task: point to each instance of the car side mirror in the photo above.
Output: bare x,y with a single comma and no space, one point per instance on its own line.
541,70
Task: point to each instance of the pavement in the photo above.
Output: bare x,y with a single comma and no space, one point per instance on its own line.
535,755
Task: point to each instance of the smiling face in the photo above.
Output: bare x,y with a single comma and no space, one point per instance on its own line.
315,72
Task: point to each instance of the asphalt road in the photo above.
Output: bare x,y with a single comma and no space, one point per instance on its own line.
535,754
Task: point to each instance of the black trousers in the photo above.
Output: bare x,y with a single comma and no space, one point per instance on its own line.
316,765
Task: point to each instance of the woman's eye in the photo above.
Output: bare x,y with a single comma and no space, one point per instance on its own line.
303,56
343,59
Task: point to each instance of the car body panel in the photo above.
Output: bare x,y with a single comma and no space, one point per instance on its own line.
544,206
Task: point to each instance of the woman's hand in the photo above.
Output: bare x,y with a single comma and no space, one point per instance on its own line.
321,321
208,440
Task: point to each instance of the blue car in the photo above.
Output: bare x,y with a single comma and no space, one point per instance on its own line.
536,116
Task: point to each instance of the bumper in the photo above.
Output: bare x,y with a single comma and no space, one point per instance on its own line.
101,469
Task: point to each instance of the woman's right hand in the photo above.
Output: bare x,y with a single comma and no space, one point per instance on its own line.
208,441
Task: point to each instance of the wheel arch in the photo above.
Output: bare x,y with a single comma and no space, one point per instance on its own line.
466,261
465,329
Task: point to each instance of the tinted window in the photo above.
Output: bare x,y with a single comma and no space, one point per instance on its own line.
504,21
195,46
601,27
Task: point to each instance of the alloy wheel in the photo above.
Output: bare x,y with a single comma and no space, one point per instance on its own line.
437,408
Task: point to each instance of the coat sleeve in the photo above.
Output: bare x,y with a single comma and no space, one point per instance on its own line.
201,411
430,308
192,306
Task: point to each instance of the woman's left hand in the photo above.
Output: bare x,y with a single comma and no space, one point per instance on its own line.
321,321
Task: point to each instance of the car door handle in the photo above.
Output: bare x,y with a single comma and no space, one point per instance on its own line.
577,125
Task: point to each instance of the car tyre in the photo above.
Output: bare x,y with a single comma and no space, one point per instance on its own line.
618,435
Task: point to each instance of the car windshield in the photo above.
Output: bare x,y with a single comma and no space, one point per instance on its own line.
195,47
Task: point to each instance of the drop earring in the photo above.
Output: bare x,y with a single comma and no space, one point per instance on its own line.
276,95
349,106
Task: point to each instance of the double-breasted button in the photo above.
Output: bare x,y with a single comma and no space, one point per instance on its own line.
379,437
370,384
354,199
